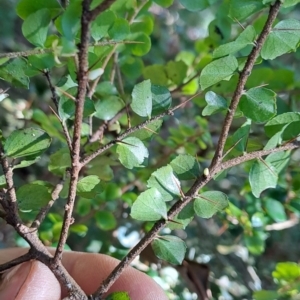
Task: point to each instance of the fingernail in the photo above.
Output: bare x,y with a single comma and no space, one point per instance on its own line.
12,281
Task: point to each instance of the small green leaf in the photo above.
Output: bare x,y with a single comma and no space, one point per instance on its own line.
105,220
33,196
165,182
118,296
79,229
280,121
70,20
247,37
238,141
279,160
215,103
286,272
258,104
183,219
66,108
149,206
108,107
275,210
102,24
142,99
239,10
169,248
209,203
176,71
27,7
217,70
26,142
255,242
119,30
185,167
13,71
142,45
27,161
60,161
194,5
157,74
161,99
284,38
35,27
262,176
132,152
89,187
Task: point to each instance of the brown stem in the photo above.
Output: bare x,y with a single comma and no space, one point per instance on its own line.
242,81
75,153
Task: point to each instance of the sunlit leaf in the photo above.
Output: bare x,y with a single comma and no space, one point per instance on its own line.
149,206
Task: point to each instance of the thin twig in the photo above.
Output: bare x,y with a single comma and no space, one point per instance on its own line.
75,153
25,53
100,8
56,103
242,81
19,260
43,212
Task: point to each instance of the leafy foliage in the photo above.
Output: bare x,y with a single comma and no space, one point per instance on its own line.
149,148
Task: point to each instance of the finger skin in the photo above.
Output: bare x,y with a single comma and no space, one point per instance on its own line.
89,270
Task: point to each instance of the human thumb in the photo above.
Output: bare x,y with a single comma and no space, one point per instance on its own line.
29,281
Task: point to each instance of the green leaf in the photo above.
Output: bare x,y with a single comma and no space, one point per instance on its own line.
286,272
132,152
119,30
89,187
26,142
164,3
79,229
242,9
185,167
35,27
13,71
2,181
255,242
149,206
265,295
275,210
288,3
142,45
238,141
165,182
176,71
102,24
66,108
156,73
215,103
279,122
284,38
247,37
108,107
33,196
70,20
209,203
142,99
27,7
27,161
60,161
118,296
262,176
194,5
169,248
183,219
258,104
217,70
279,160
161,99
105,220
